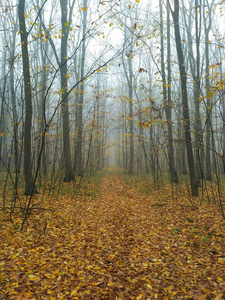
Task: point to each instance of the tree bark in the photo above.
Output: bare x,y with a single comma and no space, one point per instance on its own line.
187,127
167,97
131,120
79,122
198,124
69,175
208,99
30,187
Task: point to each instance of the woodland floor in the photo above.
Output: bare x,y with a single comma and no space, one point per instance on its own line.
116,243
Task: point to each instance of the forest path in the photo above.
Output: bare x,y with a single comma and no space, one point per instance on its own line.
115,244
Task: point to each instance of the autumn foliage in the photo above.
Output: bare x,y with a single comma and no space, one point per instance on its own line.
115,242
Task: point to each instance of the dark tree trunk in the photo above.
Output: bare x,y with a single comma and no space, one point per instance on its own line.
79,122
167,97
187,127
30,187
198,123
131,120
208,97
69,175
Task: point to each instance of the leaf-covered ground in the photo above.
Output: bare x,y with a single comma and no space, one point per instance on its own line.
117,244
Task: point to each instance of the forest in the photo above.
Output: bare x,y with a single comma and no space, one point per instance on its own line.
112,149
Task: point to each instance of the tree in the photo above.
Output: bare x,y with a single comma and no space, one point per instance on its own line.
186,120
207,27
14,108
167,93
30,187
79,107
69,175
194,60
129,78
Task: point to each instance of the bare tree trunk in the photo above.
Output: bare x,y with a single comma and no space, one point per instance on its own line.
208,99
124,134
194,60
223,117
131,120
15,118
43,107
2,123
29,180
223,135
187,127
142,143
44,52
198,123
69,175
79,159
97,140
167,97
3,97
104,134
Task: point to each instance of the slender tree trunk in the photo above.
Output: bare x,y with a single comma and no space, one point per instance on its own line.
223,135
223,117
81,98
29,180
208,101
198,123
15,118
142,143
167,101
44,52
124,135
14,108
146,162
131,117
43,107
2,124
69,175
187,127
97,140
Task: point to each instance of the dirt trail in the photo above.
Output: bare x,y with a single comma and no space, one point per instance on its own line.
123,225
125,211
115,246
150,252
